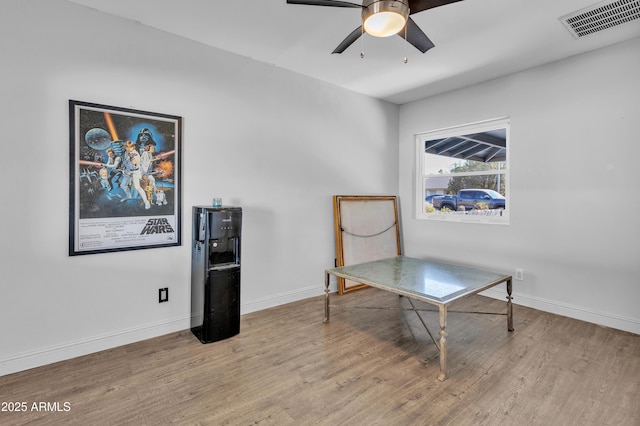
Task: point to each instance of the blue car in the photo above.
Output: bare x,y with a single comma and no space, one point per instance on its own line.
429,198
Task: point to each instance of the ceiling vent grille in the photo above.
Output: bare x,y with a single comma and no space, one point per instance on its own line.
601,16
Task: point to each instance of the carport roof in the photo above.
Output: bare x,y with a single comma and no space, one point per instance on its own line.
490,146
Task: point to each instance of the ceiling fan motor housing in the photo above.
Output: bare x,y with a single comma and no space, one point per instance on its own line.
392,15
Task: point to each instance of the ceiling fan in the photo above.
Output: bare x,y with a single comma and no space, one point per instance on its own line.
384,18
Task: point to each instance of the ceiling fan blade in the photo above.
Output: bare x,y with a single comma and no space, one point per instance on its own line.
355,34
416,6
331,3
416,36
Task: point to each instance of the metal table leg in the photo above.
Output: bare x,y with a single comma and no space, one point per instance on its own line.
326,297
443,343
509,307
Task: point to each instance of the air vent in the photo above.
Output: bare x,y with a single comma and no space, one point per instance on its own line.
601,16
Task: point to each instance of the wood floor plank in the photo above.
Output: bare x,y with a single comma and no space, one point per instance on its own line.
366,366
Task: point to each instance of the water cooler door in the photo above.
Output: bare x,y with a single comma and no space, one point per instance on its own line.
222,304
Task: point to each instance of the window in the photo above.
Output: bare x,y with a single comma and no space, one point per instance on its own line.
463,173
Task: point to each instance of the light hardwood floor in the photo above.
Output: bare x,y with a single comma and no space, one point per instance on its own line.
364,367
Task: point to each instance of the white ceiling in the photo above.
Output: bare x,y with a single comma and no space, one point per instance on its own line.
476,40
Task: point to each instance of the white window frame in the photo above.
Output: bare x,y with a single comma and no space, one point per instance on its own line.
502,217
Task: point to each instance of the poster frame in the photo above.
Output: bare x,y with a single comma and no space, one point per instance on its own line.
104,216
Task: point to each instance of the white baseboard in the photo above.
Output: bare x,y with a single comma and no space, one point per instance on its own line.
44,356
283,298
48,355
608,320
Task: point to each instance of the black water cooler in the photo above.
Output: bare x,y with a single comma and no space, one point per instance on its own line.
215,272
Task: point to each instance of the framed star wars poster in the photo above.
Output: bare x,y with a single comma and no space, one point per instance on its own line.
125,179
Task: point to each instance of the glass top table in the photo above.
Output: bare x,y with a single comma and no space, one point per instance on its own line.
432,282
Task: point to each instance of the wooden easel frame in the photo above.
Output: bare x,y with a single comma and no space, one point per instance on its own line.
366,228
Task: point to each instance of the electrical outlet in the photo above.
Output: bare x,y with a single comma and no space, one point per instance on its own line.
519,274
163,294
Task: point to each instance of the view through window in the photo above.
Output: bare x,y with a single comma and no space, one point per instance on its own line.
463,173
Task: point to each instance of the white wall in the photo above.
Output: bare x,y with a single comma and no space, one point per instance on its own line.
574,156
279,145
274,142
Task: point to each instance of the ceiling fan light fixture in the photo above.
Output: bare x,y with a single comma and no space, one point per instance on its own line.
384,18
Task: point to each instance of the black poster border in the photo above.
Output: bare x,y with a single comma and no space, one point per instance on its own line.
131,204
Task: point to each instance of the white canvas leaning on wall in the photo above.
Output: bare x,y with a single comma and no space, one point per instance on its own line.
366,229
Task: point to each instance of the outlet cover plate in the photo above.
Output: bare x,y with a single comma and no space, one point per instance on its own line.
163,295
